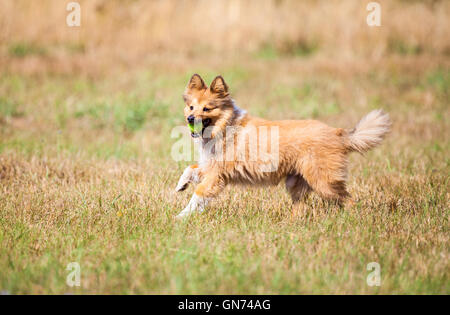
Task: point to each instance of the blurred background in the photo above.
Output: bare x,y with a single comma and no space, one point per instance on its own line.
117,79
86,175
35,37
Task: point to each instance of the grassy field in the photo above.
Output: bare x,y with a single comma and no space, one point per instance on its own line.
86,174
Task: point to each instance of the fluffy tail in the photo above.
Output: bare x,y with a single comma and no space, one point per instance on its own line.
370,131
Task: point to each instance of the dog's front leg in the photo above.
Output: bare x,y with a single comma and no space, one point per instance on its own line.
208,188
190,174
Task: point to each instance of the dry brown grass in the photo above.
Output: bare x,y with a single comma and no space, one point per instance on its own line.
85,173
130,32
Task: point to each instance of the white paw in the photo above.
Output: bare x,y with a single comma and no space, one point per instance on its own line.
196,204
185,179
183,214
182,185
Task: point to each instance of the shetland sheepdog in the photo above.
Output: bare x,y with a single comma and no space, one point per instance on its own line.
236,148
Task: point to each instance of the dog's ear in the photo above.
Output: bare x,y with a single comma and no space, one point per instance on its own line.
218,86
196,83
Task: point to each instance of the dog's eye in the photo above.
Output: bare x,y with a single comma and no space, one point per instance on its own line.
191,107
205,109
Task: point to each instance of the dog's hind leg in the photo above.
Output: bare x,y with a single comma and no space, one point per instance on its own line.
334,190
327,176
298,189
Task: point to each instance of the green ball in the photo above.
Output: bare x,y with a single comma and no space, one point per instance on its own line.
195,128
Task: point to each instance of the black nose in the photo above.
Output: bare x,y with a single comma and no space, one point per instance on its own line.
191,119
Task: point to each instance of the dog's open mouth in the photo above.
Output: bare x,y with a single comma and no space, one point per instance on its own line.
198,127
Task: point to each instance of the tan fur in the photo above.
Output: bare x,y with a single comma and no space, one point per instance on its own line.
312,155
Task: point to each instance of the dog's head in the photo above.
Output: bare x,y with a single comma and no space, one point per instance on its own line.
207,107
